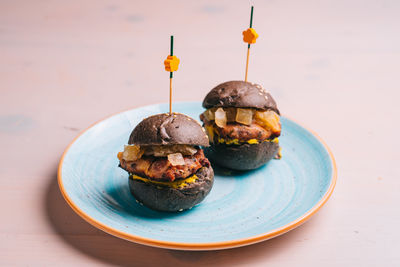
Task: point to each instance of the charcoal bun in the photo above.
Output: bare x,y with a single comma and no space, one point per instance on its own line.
240,94
163,198
168,129
242,157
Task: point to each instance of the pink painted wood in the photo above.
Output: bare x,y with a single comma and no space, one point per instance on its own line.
331,66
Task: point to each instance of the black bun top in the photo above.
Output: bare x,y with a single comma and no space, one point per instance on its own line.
167,129
240,94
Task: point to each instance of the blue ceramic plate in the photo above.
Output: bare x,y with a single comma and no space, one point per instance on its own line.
242,207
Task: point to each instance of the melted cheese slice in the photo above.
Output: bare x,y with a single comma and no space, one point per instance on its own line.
251,141
178,184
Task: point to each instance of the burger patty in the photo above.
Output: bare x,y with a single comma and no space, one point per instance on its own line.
160,169
234,130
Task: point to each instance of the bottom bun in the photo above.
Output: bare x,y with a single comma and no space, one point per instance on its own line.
164,198
242,157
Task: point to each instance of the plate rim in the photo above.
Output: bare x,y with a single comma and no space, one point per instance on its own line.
196,246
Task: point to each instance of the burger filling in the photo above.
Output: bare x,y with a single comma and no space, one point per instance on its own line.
162,163
179,183
241,125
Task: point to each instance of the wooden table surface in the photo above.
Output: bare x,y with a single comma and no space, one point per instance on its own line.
331,65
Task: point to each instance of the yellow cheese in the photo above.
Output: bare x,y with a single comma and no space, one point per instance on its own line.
251,141
230,141
178,184
275,140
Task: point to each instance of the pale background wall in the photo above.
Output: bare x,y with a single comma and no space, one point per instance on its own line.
331,65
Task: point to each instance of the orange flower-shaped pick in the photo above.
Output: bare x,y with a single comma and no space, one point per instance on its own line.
171,63
250,36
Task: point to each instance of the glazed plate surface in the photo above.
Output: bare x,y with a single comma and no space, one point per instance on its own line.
242,208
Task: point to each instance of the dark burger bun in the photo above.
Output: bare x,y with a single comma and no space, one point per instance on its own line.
169,129
242,157
169,199
240,94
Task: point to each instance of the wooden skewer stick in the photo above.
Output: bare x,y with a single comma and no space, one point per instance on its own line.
247,62
170,77
171,65
170,94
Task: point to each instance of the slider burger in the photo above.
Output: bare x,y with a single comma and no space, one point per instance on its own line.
167,168
243,125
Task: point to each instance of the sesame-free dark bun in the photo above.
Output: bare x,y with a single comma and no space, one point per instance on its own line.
168,129
165,198
242,157
240,94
